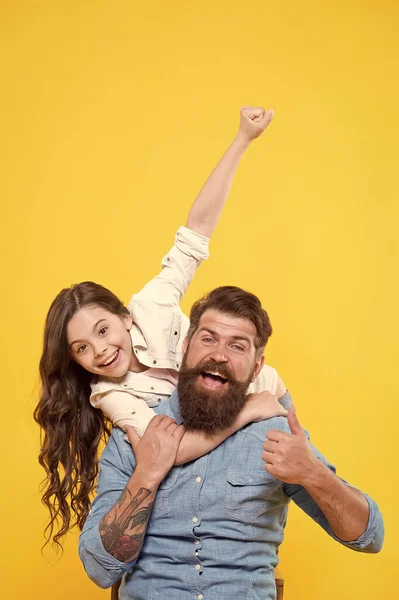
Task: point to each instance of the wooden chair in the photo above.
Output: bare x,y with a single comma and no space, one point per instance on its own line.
115,590
277,576
279,584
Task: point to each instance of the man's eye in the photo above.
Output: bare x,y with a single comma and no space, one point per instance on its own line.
103,330
81,348
238,347
207,340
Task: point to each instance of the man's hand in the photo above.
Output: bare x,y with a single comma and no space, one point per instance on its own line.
253,122
156,451
289,457
123,528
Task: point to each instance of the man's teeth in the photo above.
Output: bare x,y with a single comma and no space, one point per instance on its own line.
110,359
215,373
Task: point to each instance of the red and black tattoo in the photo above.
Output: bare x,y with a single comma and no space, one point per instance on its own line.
122,530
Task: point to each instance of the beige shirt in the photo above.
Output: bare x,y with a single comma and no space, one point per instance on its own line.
158,331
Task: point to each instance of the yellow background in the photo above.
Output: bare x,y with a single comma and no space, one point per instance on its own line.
113,115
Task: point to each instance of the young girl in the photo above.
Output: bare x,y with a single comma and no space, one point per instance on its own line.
134,353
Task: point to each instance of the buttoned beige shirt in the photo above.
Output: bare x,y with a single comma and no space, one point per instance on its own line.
158,331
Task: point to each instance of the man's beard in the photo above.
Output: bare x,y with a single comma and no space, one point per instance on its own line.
211,411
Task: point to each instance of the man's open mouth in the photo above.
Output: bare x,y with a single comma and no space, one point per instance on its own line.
110,361
213,379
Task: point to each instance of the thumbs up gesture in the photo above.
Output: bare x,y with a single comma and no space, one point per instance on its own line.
289,457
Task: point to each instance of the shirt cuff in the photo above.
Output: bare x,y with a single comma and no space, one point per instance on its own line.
286,400
191,243
102,567
372,538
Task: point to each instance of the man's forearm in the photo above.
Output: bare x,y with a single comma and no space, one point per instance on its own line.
123,528
207,208
345,508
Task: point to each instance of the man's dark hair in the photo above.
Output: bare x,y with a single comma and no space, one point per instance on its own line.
236,302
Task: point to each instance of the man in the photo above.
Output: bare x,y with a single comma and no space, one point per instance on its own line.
217,522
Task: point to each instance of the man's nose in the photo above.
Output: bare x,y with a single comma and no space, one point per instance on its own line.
219,355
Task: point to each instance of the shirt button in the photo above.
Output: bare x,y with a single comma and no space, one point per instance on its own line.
196,542
197,567
159,400
168,259
154,362
175,332
125,385
200,597
195,520
177,366
198,479
152,388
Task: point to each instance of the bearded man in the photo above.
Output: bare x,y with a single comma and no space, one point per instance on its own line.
211,529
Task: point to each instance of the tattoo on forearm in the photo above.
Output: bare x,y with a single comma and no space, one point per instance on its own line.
123,497
122,530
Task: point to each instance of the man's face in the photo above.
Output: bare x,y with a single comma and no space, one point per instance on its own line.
220,362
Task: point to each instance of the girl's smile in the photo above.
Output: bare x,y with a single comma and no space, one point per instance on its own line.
111,362
100,341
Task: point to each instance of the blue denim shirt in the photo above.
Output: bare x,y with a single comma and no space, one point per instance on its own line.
216,525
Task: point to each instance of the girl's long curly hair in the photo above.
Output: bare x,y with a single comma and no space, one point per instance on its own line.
71,428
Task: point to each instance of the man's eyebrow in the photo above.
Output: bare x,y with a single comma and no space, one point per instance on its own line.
214,333
94,328
241,337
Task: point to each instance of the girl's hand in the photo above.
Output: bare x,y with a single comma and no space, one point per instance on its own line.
263,406
253,122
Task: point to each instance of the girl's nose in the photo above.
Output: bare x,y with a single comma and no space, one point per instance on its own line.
99,350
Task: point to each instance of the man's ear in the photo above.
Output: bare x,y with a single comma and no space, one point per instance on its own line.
128,321
258,367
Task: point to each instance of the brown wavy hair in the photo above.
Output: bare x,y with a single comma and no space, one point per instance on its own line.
71,428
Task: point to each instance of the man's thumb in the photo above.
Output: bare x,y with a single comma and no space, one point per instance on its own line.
133,436
293,422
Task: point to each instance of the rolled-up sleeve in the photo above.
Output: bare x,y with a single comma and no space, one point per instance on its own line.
178,269
116,468
123,409
370,541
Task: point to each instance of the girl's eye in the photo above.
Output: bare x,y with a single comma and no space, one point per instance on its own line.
103,330
81,348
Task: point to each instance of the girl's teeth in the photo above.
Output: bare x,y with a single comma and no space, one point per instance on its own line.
111,359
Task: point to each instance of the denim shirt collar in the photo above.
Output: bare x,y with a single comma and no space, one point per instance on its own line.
171,408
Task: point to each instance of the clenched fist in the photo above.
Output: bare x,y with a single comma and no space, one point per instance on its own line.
253,121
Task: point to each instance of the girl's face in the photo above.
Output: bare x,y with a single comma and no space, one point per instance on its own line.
100,342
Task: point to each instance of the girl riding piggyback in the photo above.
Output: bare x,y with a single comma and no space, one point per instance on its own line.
104,363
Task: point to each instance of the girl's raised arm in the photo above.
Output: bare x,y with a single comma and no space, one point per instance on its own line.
207,208
180,264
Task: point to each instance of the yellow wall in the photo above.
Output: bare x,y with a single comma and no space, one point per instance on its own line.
114,113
